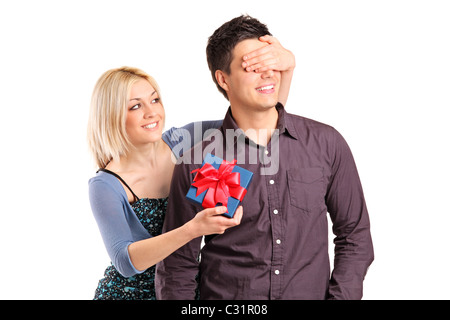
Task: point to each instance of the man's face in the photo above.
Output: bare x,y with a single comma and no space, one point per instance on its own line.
250,90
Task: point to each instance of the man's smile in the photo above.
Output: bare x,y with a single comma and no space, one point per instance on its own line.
266,89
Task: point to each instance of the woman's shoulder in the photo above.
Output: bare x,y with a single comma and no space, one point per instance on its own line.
103,182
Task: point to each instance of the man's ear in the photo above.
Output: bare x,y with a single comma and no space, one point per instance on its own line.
222,80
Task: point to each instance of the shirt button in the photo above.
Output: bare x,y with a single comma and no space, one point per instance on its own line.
271,182
278,241
277,271
275,211
266,151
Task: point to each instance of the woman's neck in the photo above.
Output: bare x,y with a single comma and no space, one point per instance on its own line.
141,158
147,170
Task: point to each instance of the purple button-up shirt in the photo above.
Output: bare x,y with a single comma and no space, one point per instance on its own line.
280,249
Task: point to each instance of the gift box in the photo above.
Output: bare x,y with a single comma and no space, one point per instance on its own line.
219,182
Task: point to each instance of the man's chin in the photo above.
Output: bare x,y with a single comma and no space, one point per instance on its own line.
269,104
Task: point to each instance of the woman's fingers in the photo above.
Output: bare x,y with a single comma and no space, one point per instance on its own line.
238,215
270,57
215,211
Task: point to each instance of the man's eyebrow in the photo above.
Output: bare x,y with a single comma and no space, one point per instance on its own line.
138,99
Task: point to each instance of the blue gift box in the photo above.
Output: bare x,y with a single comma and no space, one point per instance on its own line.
245,179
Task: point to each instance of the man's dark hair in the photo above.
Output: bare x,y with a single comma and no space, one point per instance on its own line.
219,51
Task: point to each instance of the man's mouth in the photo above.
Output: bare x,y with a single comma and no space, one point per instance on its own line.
266,89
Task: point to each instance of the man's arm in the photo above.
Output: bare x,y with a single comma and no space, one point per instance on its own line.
348,212
175,275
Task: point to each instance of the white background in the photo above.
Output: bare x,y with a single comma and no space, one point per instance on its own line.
378,71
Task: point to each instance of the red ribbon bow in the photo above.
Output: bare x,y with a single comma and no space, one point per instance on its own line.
221,184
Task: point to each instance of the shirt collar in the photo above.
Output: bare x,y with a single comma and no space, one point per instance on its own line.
284,124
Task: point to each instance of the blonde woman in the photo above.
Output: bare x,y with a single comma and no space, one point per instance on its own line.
129,193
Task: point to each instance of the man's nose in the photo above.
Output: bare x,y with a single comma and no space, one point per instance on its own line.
267,74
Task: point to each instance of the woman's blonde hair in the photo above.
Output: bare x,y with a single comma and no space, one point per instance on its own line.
107,136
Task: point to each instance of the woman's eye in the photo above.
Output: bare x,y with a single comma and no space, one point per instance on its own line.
135,107
156,100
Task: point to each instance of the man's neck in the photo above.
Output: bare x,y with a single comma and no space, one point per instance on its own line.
257,125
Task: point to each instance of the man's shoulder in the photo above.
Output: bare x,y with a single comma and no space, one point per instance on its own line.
192,158
307,125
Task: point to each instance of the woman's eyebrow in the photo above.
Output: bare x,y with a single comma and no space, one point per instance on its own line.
138,99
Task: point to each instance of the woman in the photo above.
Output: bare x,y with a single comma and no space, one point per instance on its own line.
129,193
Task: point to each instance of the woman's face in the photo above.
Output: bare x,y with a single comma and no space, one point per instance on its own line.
145,114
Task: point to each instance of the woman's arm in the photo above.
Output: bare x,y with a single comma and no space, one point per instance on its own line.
182,139
107,207
131,257
148,252
272,57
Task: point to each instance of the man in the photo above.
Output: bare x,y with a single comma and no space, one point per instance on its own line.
303,169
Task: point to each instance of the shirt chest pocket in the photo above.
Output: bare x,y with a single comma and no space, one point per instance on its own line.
306,188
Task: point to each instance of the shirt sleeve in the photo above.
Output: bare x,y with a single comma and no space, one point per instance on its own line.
184,138
175,275
348,212
109,213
